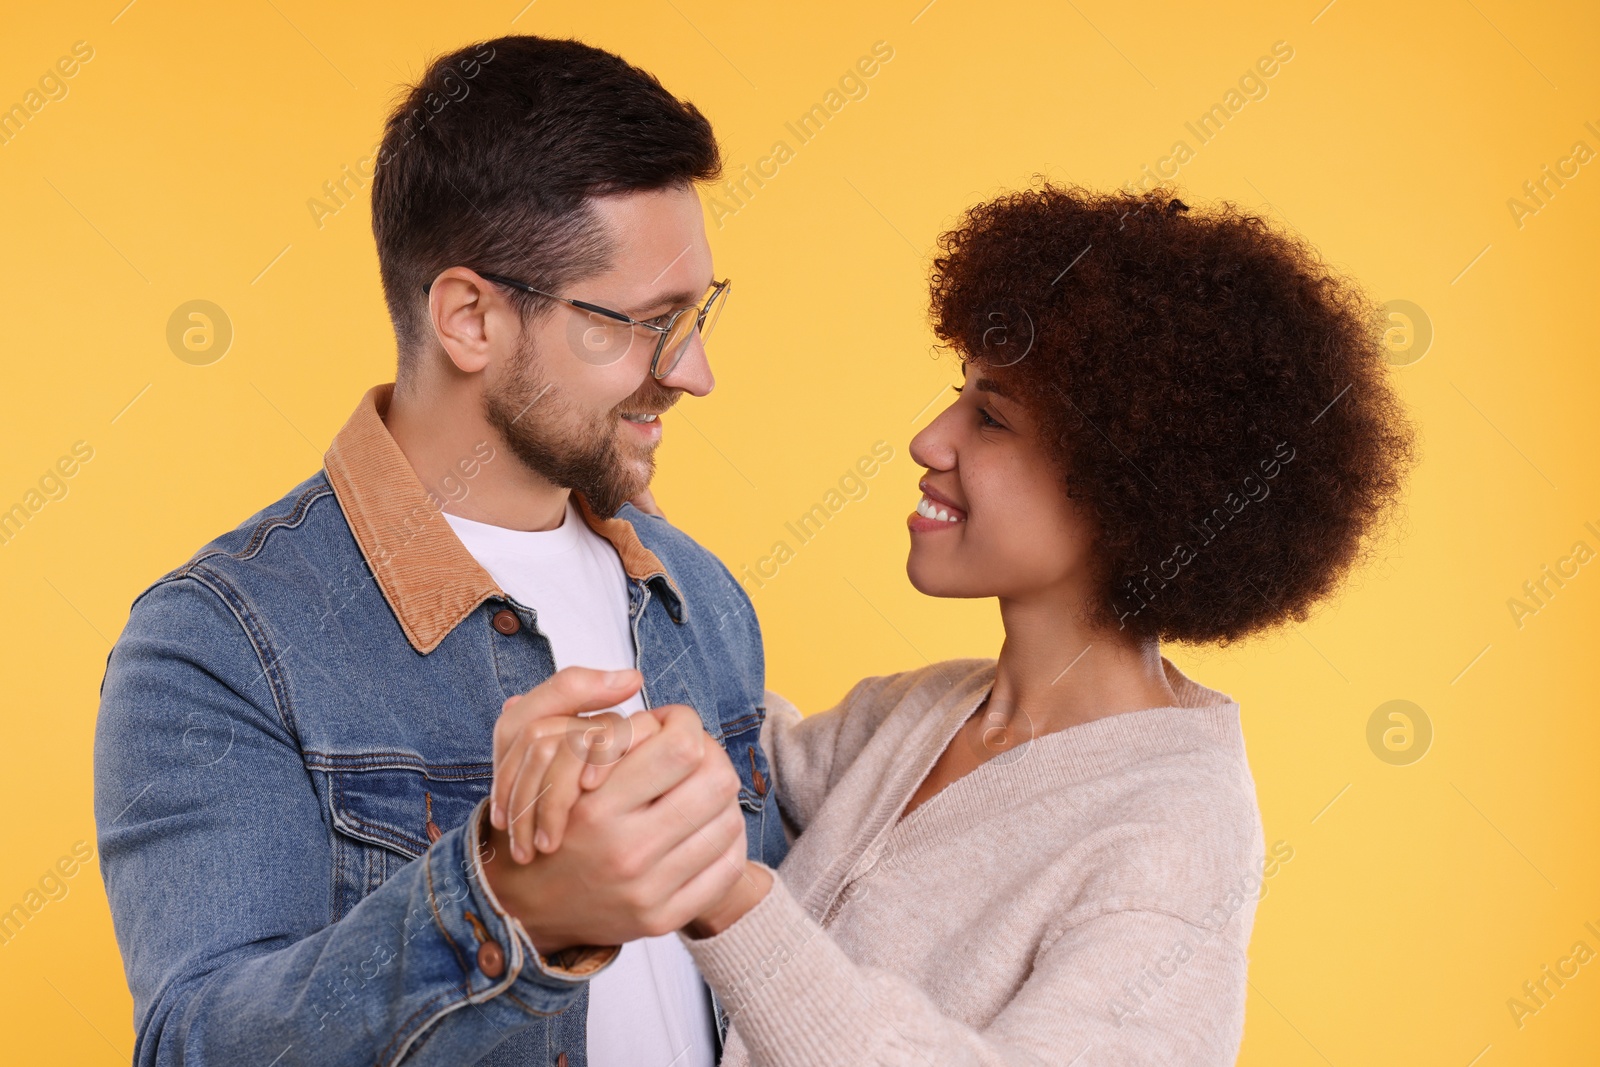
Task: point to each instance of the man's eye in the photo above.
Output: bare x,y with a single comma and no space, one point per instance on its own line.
987,421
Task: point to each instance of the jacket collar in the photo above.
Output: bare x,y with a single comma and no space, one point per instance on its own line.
426,574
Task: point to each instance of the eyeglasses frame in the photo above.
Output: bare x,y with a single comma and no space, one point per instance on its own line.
719,291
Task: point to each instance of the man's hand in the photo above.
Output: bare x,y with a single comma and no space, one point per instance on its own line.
544,753
743,895
658,843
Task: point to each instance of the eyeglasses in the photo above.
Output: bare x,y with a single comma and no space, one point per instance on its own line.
675,331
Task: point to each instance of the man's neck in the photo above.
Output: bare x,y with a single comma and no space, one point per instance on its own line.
462,460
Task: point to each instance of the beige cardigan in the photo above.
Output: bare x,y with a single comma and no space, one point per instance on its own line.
1086,899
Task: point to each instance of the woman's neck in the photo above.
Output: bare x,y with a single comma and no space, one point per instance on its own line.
1055,670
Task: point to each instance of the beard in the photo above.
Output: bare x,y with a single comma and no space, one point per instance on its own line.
585,452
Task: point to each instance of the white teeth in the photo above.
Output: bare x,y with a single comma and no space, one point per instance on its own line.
640,418
929,510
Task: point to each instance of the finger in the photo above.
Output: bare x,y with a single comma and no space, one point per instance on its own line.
657,828
718,844
705,866
528,789
512,778
639,727
508,755
660,763
574,689
642,727
603,738
701,797
511,759
561,788
688,808
566,692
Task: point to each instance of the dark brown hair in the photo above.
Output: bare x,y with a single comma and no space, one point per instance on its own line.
490,158
1211,391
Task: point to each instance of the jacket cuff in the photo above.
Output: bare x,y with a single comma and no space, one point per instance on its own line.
565,970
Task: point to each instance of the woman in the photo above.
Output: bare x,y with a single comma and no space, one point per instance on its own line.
1174,426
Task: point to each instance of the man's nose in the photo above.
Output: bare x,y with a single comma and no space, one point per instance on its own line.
693,372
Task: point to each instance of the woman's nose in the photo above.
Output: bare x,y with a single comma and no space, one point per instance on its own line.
933,446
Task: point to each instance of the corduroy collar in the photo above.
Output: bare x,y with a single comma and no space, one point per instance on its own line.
425,573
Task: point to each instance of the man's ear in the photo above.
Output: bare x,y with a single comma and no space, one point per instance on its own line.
460,305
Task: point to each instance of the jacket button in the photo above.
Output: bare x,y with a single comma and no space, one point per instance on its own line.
491,959
506,621
759,779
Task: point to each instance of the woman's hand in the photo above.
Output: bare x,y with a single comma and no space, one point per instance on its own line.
645,501
545,755
745,894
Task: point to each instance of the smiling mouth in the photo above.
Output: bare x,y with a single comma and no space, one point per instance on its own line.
939,512
642,418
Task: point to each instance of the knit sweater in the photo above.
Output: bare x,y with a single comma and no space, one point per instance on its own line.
1084,899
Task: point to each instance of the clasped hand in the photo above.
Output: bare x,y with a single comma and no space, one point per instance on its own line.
607,828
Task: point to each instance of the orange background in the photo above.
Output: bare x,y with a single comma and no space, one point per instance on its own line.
178,163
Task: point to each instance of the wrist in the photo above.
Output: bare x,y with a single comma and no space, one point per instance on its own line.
506,882
750,890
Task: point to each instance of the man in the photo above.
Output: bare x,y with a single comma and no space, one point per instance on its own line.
295,744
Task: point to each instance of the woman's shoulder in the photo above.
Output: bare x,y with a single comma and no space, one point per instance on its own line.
908,703
1179,829
922,687
911,693
880,714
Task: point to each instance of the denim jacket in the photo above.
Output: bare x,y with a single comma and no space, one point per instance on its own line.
292,764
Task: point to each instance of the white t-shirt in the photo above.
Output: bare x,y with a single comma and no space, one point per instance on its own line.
650,1006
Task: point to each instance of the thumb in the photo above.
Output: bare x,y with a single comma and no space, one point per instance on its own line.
576,689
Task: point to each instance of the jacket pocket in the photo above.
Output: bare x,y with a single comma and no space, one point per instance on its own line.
383,818
750,761
764,834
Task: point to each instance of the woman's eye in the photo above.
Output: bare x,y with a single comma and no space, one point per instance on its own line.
987,420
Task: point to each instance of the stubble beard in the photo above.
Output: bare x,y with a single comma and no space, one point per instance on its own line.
576,450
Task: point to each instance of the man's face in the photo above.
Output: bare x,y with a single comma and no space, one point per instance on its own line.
577,403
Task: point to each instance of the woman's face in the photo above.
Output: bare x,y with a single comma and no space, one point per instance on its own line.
1009,530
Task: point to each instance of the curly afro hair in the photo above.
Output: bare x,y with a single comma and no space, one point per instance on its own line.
1211,391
